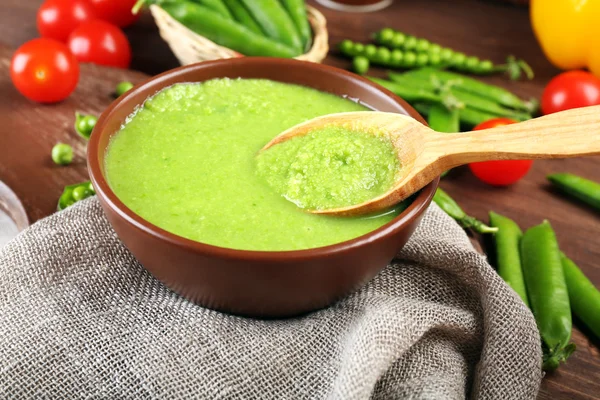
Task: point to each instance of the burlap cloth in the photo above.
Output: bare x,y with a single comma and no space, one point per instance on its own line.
80,318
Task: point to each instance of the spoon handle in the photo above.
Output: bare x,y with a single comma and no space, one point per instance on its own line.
564,134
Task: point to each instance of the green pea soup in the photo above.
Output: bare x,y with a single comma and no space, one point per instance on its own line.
186,161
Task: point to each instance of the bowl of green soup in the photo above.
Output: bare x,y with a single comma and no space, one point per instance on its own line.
174,163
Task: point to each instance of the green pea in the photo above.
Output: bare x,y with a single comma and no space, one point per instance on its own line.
410,43
485,66
435,60
370,51
471,63
123,88
62,154
80,193
386,35
398,40
410,59
396,58
359,48
360,65
458,59
90,187
434,48
422,60
84,124
383,55
347,47
422,45
446,54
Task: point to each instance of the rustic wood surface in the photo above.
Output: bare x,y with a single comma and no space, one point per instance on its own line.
28,131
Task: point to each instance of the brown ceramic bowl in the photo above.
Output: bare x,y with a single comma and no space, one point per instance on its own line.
255,283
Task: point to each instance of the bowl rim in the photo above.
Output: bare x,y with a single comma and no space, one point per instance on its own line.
105,193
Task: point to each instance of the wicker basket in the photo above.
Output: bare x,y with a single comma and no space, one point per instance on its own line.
190,48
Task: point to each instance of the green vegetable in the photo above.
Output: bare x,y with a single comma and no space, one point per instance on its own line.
123,88
360,65
84,124
401,41
450,207
74,193
429,82
461,83
583,189
417,94
508,259
441,119
467,115
225,32
297,11
62,154
583,295
242,15
275,22
547,291
216,6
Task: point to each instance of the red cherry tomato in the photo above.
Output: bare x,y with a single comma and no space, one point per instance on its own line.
56,19
44,70
502,172
116,12
101,43
572,89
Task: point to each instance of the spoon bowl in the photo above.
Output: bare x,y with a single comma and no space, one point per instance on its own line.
425,154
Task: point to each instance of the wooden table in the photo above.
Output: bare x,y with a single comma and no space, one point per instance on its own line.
28,132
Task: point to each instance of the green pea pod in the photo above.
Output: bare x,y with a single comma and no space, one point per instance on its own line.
399,40
450,207
242,15
583,295
476,87
217,6
441,119
429,82
416,94
275,22
468,116
508,258
583,189
297,11
225,32
68,197
547,291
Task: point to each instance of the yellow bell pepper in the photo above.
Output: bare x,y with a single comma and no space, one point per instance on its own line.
569,32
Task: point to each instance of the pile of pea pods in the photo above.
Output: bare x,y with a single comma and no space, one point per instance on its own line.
533,265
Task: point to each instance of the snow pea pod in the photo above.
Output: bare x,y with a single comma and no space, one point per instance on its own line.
547,291
583,189
508,259
224,31
275,22
583,295
241,15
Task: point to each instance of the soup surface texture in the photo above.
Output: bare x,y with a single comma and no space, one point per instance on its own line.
186,162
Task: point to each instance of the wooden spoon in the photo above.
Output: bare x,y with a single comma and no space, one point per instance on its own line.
424,154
